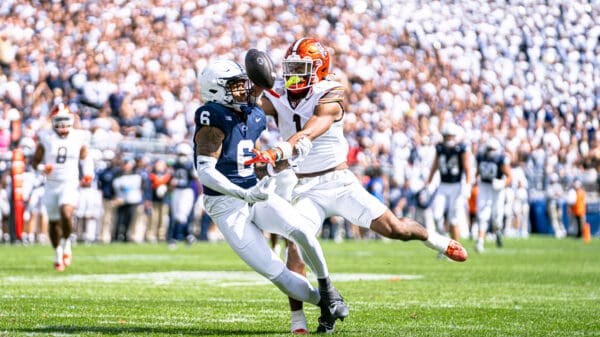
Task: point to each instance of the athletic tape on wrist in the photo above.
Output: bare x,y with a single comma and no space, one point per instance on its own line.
286,149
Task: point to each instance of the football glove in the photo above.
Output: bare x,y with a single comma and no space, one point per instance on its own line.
498,184
264,156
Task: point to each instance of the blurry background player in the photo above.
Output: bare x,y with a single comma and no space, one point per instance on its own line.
59,154
517,221
160,175
183,198
555,198
494,172
452,160
35,216
88,211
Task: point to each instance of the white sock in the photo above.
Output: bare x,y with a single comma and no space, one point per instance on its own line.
58,254
297,286
90,230
437,241
298,320
66,244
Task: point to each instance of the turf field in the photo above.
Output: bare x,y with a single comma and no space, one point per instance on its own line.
536,287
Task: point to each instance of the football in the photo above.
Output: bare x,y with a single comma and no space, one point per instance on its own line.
260,68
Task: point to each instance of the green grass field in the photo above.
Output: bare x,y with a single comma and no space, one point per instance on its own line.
536,287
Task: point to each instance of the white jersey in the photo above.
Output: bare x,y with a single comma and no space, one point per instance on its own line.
63,154
331,148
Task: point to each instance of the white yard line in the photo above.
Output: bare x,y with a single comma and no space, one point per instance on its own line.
223,278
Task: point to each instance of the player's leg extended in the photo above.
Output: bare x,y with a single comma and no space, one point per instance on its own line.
301,223
358,206
232,218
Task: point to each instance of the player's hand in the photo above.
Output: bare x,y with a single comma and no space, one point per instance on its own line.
259,192
260,156
86,181
45,168
303,147
498,184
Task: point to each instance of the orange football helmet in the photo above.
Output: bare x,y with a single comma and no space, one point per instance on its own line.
306,62
62,119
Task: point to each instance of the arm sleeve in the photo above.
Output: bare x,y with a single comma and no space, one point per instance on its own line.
210,177
87,166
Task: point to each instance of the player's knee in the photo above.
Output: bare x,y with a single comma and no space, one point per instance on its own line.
299,238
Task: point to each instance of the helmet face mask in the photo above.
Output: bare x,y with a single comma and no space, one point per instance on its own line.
226,83
306,63
298,73
62,120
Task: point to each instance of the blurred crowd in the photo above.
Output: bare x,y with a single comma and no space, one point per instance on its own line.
525,72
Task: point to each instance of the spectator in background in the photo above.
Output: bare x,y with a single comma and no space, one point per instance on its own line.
576,198
128,197
106,176
159,216
142,212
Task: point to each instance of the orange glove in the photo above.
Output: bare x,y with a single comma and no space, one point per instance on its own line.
268,156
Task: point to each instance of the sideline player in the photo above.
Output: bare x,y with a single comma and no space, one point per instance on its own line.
58,155
309,111
227,129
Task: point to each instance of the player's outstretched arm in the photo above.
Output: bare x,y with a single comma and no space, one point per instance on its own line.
209,144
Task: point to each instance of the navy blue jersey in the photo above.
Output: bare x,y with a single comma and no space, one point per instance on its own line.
450,163
240,138
490,166
184,174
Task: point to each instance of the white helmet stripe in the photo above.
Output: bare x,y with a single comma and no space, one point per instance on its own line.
297,45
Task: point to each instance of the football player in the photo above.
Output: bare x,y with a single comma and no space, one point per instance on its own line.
183,199
59,154
309,110
494,172
227,130
452,160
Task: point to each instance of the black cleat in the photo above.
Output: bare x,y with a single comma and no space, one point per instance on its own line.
499,239
333,308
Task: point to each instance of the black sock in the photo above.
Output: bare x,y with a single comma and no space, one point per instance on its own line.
324,283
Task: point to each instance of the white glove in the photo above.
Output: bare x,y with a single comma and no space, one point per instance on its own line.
303,147
498,184
259,192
